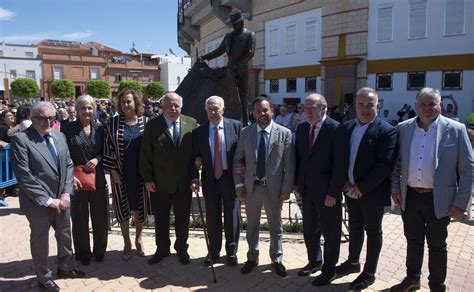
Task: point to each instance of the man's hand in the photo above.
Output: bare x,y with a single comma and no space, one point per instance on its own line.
90,165
240,192
357,192
150,186
3,144
455,212
55,205
296,189
284,196
239,169
77,184
115,176
65,202
397,198
198,162
329,201
195,186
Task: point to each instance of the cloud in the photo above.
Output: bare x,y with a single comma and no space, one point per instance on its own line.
6,14
31,38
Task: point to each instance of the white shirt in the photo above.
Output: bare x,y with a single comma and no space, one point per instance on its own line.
170,126
421,165
356,136
212,132
318,128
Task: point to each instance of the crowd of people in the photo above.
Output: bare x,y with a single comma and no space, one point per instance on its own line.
425,165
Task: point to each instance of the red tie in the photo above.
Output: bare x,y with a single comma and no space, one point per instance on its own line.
311,139
217,155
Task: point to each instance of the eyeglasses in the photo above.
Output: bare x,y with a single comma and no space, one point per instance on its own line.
49,119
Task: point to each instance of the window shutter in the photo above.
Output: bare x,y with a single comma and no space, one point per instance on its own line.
311,35
384,24
417,19
454,22
274,42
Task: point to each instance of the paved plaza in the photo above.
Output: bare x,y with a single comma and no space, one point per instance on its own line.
114,274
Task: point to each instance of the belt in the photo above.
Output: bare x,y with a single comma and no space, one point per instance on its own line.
260,183
421,190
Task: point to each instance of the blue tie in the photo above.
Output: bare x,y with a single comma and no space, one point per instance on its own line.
52,150
261,156
175,134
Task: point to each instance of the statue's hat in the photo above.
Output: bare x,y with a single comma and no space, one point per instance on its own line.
236,16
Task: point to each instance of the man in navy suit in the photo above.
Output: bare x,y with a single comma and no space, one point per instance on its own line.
320,175
214,145
372,156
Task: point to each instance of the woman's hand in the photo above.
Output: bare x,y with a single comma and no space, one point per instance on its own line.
77,184
90,165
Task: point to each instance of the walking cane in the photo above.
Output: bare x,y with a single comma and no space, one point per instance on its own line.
206,237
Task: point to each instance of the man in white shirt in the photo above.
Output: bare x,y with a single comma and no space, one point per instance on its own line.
432,182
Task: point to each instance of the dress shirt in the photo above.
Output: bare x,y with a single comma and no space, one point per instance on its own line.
318,128
285,121
421,165
267,132
212,132
170,126
356,136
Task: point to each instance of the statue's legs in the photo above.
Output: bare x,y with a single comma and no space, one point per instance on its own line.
242,82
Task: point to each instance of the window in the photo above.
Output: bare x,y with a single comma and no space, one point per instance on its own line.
12,74
452,80
310,84
30,74
384,23
311,35
29,54
135,76
58,72
384,81
1,53
291,85
291,39
95,73
454,17
417,25
416,80
274,86
274,42
151,77
118,77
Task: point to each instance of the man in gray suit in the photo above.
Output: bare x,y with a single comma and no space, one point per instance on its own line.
431,182
265,150
44,170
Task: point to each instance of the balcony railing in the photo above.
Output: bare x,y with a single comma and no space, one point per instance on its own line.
6,172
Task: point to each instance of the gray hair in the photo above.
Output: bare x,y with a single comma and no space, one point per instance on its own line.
84,99
62,110
217,99
317,95
430,92
169,94
364,91
42,105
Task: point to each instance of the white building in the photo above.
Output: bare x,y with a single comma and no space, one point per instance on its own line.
418,43
173,70
18,61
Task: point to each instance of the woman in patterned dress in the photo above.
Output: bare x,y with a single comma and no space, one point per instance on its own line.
85,138
121,156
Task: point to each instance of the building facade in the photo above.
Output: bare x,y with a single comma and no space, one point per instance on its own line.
173,70
18,61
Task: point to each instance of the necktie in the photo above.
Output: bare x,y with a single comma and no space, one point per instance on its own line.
311,139
261,156
217,155
51,149
175,134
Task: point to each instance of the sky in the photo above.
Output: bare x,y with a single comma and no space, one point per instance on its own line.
150,24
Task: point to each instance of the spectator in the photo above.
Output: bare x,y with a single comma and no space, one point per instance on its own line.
299,116
85,138
121,156
451,110
7,123
23,121
385,116
284,118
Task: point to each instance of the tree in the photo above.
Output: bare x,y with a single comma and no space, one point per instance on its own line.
155,89
98,88
130,84
63,88
25,88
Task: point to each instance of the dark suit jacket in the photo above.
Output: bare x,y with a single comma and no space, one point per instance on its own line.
161,161
37,174
323,171
202,149
375,160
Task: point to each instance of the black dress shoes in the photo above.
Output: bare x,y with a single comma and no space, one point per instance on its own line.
50,286
408,284
99,258
231,260
183,258
157,257
248,266
280,269
363,281
347,268
73,274
207,260
323,279
85,261
309,269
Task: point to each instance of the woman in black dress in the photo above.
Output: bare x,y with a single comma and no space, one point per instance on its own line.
85,138
121,153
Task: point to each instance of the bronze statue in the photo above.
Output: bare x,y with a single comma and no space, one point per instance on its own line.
240,48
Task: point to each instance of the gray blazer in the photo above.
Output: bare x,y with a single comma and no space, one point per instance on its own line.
280,163
453,165
37,175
